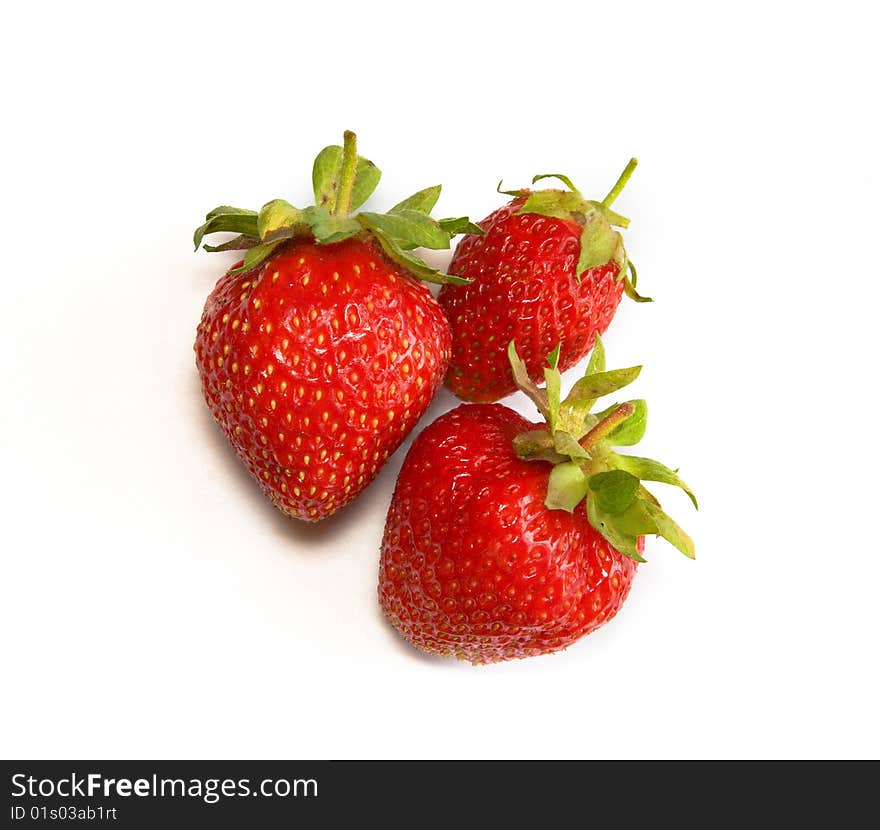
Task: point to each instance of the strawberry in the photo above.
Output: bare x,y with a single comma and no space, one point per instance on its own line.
321,350
549,269
510,539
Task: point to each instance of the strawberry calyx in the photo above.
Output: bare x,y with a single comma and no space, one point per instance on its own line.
600,242
342,181
582,446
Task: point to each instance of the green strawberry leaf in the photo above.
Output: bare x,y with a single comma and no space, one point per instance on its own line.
342,182
612,217
636,520
566,488
525,384
517,193
226,210
559,204
647,469
459,225
254,257
240,243
227,219
366,177
326,173
629,284
614,490
647,495
589,388
566,444
599,242
578,443
553,386
327,228
597,358
632,430
537,445
605,524
642,517
670,531
634,275
408,228
418,267
423,201
277,220
563,178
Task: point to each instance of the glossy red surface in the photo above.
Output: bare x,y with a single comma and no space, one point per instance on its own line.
474,565
524,288
317,365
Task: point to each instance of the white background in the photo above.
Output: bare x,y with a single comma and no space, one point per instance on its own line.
155,604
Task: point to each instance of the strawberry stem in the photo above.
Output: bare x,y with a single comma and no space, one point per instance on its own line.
620,183
606,425
346,178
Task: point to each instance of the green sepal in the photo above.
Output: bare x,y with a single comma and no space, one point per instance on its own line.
597,358
604,523
559,204
408,228
516,193
647,469
613,218
632,430
525,384
366,179
634,275
567,487
327,172
561,176
553,386
645,517
589,388
641,518
636,520
254,257
239,243
614,490
629,284
670,530
566,444
459,225
647,495
327,228
578,443
418,267
599,242
226,210
538,445
277,220
227,219
422,201
342,181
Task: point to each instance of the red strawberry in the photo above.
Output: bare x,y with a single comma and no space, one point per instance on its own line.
321,350
485,556
549,269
